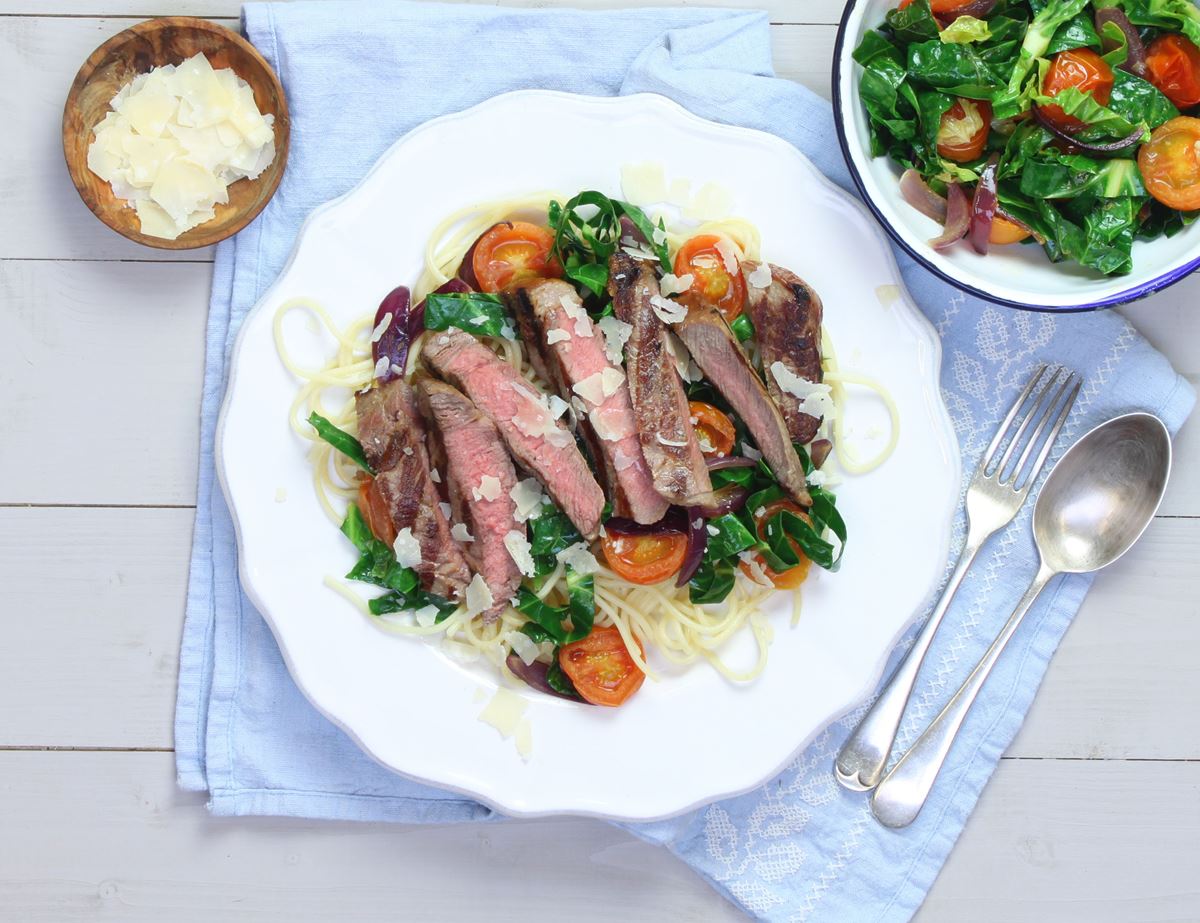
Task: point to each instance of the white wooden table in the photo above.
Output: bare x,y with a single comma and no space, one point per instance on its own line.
1094,813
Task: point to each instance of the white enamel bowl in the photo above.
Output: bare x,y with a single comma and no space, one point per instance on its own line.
693,737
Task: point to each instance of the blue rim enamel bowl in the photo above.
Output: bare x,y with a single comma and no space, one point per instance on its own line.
1017,275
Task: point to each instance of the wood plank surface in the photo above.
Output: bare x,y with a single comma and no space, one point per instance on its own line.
1026,856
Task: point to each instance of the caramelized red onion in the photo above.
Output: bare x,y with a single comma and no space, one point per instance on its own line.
917,193
727,499
1073,145
1135,62
983,206
392,342
958,218
976,8
717,463
697,542
674,523
534,675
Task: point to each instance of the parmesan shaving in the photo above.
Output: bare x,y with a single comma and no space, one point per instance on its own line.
611,381
556,336
669,312
478,597
519,550
644,183
815,398
407,548
616,335
729,254
760,277
527,497
488,489
460,532
591,389
524,647
579,559
672,284
504,711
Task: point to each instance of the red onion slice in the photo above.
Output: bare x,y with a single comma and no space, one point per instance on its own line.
392,341
983,206
729,461
534,675
977,8
1072,144
727,499
697,536
1135,62
917,193
674,523
958,218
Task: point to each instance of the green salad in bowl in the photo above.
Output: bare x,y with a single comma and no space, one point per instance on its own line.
1071,124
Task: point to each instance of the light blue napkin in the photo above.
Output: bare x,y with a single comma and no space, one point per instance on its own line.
359,76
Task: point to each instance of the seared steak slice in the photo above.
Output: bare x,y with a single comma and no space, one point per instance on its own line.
538,442
393,440
473,451
660,405
577,366
787,327
715,349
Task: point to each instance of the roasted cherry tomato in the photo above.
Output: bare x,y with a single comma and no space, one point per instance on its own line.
375,511
1170,163
1081,68
513,252
793,576
714,430
645,559
1006,232
712,280
964,130
601,668
1173,65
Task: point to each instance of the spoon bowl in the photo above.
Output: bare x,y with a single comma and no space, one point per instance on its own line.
1102,494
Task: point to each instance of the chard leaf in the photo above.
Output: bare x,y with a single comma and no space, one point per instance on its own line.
1139,101
1077,32
340,440
712,582
1010,100
475,312
956,69
913,23
965,30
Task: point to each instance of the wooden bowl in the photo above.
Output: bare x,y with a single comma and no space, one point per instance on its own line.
150,44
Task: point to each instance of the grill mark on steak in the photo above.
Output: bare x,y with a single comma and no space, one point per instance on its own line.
660,405
393,440
787,327
715,349
471,447
541,445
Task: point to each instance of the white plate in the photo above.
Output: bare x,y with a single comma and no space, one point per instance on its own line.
693,737
1018,276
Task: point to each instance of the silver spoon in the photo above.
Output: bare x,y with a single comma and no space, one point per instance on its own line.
1094,505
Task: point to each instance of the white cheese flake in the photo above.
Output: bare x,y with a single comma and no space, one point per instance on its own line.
526,497
644,183
616,335
488,489
671,284
557,406
669,312
711,202
591,389
712,530
381,327
445,508
507,332
280,494
408,450
426,616
435,476
760,277
478,597
504,712
459,532
663,440
729,254
579,559
382,367
818,478
478,320
612,424
407,548
658,236
611,380
524,647
519,550
556,336
816,399
523,739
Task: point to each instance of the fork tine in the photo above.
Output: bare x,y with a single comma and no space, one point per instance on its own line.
1051,437
1035,412
1012,415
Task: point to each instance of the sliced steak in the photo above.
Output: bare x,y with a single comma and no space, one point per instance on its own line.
393,440
538,442
787,327
715,349
660,406
473,451
576,364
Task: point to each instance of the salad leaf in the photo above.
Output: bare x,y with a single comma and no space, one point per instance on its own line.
712,582
1054,175
377,565
558,680
742,327
1137,100
579,611
1173,15
730,538
1083,106
1009,101
964,30
475,312
587,231
551,532
340,440
957,69
1077,32
913,23
889,99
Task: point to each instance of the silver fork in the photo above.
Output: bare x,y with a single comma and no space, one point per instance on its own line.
994,496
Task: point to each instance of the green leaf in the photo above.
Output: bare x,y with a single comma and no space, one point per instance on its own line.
1171,15
730,538
580,610
1137,100
742,327
475,312
914,23
1011,99
712,582
965,30
341,440
956,69
377,566
1083,106
647,229
559,681
1054,175
1077,32
593,276
551,532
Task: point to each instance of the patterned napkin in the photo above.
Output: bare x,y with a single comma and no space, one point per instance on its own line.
360,75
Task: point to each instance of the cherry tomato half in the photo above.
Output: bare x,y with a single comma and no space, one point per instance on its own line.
375,511
513,252
645,559
1081,68
714,430
1173,65
601,668
712,280
1006,232
964,130
1170,163
793,576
